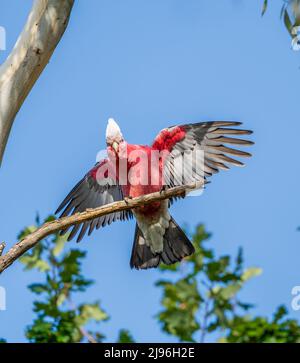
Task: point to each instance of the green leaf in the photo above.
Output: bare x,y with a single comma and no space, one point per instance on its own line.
50,218
229,291
174,267
251,272
265,6
38,288
33,261
125,337
287,21
239,260
283,8
280,313
89,312
42,265
26,231
61,299
60,242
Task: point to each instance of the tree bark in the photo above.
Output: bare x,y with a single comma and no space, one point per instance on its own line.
45,26
52,227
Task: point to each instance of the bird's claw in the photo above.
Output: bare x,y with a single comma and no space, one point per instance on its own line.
127,199
163,189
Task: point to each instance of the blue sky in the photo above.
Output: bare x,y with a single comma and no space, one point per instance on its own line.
151,64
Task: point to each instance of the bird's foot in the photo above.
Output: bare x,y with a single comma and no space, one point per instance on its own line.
163,189
127,199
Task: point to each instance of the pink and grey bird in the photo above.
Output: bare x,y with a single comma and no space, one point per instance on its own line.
158,238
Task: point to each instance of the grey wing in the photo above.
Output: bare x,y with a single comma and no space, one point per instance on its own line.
203,152
89,193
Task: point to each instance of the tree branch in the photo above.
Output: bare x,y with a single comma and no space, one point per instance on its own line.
45,26
52,227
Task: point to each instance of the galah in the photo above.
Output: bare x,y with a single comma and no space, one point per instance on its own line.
158,238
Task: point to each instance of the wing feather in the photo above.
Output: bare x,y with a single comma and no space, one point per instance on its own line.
89,193
212,139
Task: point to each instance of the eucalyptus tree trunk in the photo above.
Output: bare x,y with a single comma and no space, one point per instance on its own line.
43,30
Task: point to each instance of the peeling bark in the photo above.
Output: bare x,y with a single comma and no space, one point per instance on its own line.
45,26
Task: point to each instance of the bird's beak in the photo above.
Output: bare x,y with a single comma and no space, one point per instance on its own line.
115,146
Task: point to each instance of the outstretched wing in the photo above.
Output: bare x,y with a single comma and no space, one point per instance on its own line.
94,190
197,151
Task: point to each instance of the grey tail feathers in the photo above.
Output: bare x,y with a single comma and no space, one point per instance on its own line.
176,247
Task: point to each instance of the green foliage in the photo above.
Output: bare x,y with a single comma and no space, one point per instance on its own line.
290,14
2,340
181,302
243,329
203,296
58,319
200,297
125,337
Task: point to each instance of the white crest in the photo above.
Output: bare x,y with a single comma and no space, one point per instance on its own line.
113,132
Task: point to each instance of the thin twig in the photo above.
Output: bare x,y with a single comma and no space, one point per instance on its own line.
88,336
82,330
